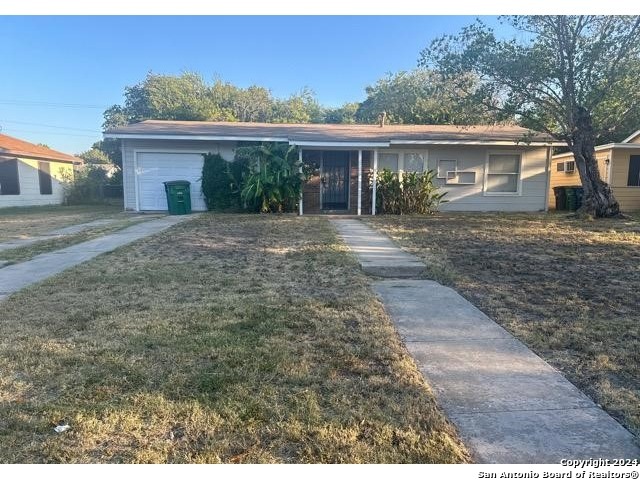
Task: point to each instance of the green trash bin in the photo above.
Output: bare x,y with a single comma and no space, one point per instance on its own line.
579,195
178,196
574,198
561,198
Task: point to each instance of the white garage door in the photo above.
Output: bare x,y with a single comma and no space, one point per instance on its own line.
152,169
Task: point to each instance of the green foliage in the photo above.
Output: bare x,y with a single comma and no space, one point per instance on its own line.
221,182
85,186
571,76
553,66
274,182
95,156
423,97
344,114
189,97
412,192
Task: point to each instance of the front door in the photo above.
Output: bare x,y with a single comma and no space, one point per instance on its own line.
335,181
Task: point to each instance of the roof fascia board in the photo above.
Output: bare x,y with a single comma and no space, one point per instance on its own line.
631,137
149,136
303,143
17,154
511,143
608,146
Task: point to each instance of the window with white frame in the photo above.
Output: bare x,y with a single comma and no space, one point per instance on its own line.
388,161
445,166
413,162
503,173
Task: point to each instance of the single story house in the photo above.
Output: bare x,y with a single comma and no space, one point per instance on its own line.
619,166
32,174
483,168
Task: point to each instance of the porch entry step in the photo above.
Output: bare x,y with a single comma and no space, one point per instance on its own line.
376,253
508,404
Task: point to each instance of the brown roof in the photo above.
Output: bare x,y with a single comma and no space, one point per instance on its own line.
315,132
19,148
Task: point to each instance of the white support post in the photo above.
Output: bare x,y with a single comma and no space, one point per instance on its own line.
359,182
375,182
302,189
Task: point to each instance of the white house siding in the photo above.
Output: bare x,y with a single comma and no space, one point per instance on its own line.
30,184
532,196
131,147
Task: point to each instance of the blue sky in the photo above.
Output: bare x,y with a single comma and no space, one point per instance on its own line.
60,73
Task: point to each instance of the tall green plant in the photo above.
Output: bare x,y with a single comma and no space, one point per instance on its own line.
274,182
221,182
410,193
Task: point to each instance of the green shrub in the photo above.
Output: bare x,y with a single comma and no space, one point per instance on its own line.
221,182
85,187
274,181
410,193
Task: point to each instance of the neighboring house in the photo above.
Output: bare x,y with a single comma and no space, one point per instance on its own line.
619,166
483,168
31,174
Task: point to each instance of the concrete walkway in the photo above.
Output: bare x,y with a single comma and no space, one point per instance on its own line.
508,404
18,276
73,229
377,254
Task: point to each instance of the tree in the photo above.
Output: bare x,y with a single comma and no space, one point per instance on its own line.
344,114
95,156
189,97
300,107
422,96
563,75
110,147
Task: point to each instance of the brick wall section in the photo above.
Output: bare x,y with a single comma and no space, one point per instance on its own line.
311,195
311,191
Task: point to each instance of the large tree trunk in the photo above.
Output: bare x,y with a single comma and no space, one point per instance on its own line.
598,198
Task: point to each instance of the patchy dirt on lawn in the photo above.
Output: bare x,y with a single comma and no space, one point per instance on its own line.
27,222
568,288
224,339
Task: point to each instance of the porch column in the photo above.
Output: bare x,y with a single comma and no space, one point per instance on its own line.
375,182
359,182
302,189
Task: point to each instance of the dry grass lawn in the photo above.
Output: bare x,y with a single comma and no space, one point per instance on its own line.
225,339
23,222
27,252
570,289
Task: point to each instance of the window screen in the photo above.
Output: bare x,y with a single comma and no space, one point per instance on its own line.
44,175
388,161
9,182
560,167
634,171
503,174
413,162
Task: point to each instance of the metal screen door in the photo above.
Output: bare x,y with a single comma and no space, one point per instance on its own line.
335,181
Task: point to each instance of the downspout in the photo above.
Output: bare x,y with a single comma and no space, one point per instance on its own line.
547,170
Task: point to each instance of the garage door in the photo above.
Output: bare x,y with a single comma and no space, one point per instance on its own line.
152,169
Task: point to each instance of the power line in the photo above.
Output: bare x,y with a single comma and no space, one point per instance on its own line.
49,126
54,133
27,103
